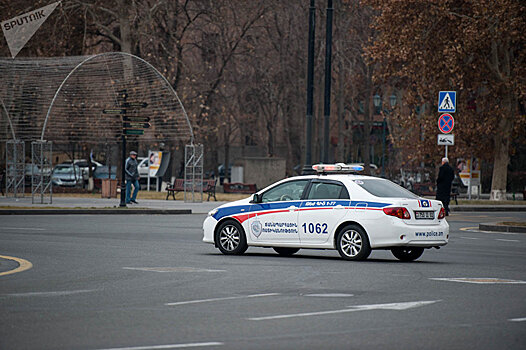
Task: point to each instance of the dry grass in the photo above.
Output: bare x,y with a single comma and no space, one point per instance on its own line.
223,197
513,223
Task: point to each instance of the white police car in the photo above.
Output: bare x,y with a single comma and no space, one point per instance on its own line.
331,210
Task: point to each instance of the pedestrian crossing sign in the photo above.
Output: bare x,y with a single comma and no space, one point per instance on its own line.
447,101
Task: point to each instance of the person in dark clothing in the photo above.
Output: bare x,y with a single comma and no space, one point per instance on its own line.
131,169
444,180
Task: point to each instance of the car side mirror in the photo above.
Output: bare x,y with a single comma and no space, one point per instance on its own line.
256,198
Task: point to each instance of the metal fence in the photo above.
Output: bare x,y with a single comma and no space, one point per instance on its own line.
15,168
193,173
41,170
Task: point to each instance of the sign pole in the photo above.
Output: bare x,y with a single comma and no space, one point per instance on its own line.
123,172
470,175
446,151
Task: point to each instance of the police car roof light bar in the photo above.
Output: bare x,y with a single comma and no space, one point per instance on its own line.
337,168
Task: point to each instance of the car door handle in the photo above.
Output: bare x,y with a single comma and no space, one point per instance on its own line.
339,207
292,208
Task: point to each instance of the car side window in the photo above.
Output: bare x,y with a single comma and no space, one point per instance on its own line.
328,190
288,191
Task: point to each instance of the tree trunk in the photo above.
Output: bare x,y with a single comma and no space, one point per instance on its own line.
501,155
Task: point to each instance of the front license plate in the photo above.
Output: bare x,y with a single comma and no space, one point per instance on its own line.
424,215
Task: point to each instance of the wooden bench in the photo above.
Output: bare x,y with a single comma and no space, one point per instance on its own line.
177,186
237,187
209,186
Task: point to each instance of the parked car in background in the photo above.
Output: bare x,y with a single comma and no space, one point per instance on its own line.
143,168
66,175
31,170
103,172
83,164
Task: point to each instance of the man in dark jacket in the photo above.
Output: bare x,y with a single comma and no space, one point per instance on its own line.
131,169
444,180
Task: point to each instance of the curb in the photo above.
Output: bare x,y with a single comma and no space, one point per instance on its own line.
94,211
494,226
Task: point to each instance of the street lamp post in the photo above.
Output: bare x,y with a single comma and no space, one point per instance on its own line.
307,169
328,72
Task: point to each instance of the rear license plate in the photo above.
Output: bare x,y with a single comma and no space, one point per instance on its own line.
424,215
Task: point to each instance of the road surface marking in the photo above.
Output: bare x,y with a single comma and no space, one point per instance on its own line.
329,295
467,237
480,280
23,265
171,269
517,319
24,228
355,308
220,299
168,346
507,240
476,230
469,228
51,294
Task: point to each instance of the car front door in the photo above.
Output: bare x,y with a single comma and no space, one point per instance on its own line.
275,219
320,213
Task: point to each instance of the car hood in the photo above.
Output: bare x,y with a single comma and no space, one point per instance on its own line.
239,202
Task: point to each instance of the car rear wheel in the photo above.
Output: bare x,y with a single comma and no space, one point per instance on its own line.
352,243
286,251
230,238
407,253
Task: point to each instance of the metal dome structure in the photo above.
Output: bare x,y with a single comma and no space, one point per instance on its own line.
83,100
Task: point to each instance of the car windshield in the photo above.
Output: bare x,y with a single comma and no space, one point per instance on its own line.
65,170
384,188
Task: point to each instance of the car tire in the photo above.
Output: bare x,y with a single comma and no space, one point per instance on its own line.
230,238
407,253
286,251
352,243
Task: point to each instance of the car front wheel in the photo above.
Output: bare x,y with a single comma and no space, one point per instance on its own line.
407,253
352,243
230,238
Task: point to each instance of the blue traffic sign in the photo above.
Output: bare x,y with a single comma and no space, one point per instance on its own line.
446,123
447,101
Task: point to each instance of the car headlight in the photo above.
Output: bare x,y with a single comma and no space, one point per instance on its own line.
212,212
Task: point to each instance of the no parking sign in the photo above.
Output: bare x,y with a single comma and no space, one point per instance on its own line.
446,122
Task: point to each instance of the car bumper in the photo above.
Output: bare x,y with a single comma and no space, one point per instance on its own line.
208,229
401,234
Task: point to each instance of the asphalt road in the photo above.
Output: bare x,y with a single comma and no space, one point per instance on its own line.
147,282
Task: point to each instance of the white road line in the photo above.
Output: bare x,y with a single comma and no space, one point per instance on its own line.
24,228
171,269
517,319
507,240
51,294
355,308
220,299
480,280
329,295
168,346
467,237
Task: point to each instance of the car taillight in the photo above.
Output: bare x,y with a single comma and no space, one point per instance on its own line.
442,213
399,212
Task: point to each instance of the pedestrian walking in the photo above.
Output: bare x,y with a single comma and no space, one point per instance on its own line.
132,177
444,180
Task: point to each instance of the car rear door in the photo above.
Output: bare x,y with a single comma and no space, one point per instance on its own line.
322,210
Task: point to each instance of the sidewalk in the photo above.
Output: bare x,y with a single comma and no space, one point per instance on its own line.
81,205
85,205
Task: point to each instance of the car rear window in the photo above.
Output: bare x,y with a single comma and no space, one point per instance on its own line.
384,188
